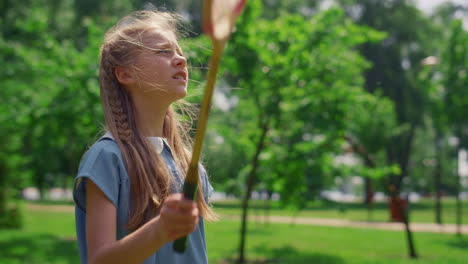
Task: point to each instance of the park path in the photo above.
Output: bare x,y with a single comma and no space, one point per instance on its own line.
417,227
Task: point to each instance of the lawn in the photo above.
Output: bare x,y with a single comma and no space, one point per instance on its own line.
300,244
48,237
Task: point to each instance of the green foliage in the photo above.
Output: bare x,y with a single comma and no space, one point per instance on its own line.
300,78
373,122
370,129
289,66
12,217
54,90
396,63
455,81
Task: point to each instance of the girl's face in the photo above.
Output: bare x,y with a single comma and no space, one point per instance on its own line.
160,68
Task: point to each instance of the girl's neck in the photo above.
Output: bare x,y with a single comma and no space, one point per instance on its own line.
151,115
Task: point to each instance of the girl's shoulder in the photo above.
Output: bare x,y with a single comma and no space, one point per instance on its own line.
103,165
104,150
105,143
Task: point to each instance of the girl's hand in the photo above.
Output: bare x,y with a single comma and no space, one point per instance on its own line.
178,217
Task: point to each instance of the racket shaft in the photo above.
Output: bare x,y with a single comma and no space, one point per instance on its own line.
191,180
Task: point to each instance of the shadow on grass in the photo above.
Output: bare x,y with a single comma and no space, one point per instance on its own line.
459,242
38,249
287,255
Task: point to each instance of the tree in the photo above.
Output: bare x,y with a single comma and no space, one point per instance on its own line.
284,74
455,81
54,88
370,128
396,63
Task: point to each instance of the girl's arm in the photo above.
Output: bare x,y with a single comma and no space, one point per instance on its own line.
177,218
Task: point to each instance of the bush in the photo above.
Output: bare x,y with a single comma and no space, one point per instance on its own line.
12,218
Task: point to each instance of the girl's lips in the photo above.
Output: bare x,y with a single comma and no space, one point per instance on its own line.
180,75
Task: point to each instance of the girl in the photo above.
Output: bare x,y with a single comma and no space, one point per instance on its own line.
127,206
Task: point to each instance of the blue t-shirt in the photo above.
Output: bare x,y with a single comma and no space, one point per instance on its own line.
104,165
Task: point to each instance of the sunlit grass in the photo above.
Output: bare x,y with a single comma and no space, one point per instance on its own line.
48,237
285,243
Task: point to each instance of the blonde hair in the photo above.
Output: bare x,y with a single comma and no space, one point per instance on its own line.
150,179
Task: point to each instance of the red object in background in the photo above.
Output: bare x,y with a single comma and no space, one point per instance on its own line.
395,211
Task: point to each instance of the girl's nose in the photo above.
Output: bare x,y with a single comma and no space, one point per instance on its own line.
180,61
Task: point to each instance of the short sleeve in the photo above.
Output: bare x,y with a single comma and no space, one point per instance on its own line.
100,164
207,187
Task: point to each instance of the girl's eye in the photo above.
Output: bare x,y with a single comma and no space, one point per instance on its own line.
163,51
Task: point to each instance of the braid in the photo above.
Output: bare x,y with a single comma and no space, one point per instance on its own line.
118,101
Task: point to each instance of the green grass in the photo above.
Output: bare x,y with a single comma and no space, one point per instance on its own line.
48,237
284,243
421,212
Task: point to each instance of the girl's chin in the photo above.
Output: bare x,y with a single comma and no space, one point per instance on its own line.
166,93
179,93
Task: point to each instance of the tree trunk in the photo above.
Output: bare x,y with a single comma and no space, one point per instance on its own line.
250,184
267,206
369,162
369,197
437,178
403,160
404,214
458,211
40,184
394,189
3,190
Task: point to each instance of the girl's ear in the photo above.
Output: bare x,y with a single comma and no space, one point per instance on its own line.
124,75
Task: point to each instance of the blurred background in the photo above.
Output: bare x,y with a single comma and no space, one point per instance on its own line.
338,132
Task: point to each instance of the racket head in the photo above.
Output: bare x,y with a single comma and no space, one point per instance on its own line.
219,17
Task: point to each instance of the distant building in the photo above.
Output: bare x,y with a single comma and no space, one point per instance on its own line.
463,167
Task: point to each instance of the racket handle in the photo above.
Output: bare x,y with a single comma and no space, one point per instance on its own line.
190,193
180,245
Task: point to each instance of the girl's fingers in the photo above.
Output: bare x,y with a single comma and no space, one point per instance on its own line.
178,202
186,206
177,227
178,210
173,199
176,216
178,233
